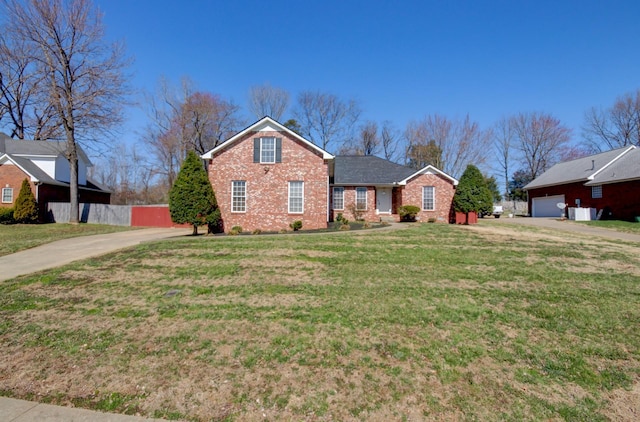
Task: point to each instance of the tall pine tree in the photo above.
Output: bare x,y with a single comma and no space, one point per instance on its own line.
26,208
472,194
191,198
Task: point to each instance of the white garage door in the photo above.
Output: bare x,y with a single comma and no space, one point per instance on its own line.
545,206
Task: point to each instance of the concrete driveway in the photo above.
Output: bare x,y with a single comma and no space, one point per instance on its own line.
566,225
64,251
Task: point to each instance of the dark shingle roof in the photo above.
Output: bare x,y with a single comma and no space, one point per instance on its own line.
368,170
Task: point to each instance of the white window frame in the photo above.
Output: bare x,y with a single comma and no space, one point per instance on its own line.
596,191
339,189
7,192
425,198
292,190
263,150
358,191
240,195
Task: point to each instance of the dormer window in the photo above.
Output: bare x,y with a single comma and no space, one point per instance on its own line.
267,150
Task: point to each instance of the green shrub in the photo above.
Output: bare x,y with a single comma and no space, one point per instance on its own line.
256,231
236,229
339,217
6,216
26,208
345,227
408,212
296,225
432,220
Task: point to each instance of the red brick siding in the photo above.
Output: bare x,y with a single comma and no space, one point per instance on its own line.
12,176
444,190
623,199
268,185
349,203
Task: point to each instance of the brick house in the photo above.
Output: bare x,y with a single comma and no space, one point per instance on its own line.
267,176
376,187
44,165
608,182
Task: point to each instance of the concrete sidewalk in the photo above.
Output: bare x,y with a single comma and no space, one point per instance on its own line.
13,410
64,251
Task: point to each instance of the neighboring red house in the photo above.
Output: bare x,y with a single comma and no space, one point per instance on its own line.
608,182
267,177
43,163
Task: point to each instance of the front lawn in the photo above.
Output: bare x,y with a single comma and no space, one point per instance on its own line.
621,226
432,322
17,237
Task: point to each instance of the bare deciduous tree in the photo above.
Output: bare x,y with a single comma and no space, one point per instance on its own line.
539,139
461,142
28,114
82,76
183,119
390,138
367,143
267,100
615,127
325,119
503,139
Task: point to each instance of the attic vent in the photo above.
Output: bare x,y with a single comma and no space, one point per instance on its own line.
593,164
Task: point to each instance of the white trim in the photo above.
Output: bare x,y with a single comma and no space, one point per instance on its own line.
289,197
433,198
7,189
429,170
266,123
272,138
632,147
366,199
333,198
7,157
245,197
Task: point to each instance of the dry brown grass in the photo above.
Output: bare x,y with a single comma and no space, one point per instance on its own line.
333,328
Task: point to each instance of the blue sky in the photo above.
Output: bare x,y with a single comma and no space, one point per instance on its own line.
401,60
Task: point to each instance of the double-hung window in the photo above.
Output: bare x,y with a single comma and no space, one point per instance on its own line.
268,150
361,199
7,195
428,198
596,191
338,198
239,196
296,197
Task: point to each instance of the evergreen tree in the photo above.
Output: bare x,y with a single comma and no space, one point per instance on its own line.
191,198
492,185
26,208
472,194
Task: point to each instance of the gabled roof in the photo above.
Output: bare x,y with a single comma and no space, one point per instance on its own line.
21,147
266,124
583,169
27,166
626,168
430,169
369,170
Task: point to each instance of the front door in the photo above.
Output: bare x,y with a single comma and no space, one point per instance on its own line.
383,200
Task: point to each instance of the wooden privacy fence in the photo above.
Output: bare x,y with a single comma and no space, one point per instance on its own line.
115,215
